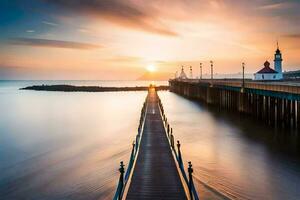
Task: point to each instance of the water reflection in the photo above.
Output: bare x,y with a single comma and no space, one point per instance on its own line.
57,145
234,155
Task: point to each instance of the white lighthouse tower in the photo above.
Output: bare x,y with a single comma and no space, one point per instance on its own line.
278,62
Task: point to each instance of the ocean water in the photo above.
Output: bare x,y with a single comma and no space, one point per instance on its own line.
58,145
233,155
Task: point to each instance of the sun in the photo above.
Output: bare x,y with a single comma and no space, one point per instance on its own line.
151,68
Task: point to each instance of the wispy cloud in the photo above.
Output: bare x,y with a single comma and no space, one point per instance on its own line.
30,31
274,6
49,23
123,13
51,43
84,30
292,36
125,59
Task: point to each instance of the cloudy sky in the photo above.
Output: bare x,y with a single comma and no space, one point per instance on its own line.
118,39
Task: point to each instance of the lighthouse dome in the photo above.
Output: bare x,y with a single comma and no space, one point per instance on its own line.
278,51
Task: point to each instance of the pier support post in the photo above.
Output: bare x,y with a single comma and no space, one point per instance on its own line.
272,105
293,105
268,103
279,111
298,114
288,113
255,106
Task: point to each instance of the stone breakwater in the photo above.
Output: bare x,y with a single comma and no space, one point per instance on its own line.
72,88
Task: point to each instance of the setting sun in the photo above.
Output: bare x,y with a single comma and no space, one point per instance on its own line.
151,68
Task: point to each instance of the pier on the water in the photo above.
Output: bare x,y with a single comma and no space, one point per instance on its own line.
155,175
275,103
155,169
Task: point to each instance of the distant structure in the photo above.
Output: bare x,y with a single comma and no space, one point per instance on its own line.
182,74
267,73
191,72
292,75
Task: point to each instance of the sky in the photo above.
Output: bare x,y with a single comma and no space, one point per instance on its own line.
120,39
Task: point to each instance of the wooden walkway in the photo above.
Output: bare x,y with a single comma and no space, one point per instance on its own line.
155,175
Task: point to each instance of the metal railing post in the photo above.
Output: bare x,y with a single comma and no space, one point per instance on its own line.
121,180
179,153
172,141
190,171
132,151
136,142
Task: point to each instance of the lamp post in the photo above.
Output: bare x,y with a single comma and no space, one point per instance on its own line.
243,66
212,71
200,70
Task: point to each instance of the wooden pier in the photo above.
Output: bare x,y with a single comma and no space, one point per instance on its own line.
155,175
275,103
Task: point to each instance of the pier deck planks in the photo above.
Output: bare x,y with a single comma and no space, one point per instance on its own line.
155,175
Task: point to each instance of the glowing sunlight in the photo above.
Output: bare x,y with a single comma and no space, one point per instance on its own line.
151,68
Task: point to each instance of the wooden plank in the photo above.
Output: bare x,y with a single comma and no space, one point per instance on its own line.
155,175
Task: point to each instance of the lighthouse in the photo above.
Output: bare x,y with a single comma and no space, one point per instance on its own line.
278,62
269,74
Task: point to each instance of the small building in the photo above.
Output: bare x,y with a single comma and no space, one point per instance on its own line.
267,73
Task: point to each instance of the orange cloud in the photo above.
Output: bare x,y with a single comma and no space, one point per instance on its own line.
119,12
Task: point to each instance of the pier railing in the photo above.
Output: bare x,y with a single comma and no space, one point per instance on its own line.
124,176
188,179
278,86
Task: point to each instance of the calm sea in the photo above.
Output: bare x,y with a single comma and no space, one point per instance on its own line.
57,145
